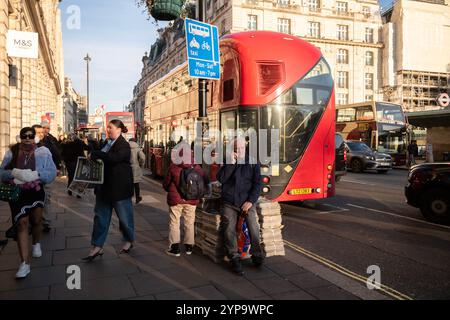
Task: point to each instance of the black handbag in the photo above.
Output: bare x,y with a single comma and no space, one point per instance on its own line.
9,192
11,233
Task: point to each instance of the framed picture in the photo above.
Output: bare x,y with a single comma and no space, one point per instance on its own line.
89,171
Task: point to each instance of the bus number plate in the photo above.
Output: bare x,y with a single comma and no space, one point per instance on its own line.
301,191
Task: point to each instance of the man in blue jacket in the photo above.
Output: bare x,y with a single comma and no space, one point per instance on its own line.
241,188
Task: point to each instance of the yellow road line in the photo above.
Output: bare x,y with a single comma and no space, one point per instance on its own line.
383,288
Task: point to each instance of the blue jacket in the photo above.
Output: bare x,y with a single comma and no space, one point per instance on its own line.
240,183
44,166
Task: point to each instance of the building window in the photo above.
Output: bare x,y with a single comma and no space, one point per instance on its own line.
369,81
342,98
369,97
284,25
283,3
342,33
369,35
369,58
314,29
252,22
342,56
314,5
342,79
223,27
366,11
342,7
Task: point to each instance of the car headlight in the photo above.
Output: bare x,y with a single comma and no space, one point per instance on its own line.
370,158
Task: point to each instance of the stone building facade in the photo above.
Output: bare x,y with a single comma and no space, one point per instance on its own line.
348,32
31,88
416,68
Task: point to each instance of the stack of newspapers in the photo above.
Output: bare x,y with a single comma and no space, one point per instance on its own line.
270,221
208,235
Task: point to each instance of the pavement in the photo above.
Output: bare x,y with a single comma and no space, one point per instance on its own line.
147,273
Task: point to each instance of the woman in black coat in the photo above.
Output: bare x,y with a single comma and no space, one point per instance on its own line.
116,191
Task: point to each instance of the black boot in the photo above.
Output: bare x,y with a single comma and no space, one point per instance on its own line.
174,250
257,261
237,266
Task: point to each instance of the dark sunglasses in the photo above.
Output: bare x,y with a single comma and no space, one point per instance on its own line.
27,136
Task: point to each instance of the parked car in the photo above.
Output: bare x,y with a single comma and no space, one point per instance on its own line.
360,157
428,188
341,157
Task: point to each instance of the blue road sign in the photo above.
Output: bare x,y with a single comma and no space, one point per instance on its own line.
202,44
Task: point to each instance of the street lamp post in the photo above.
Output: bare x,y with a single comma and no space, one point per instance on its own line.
87,59
202,87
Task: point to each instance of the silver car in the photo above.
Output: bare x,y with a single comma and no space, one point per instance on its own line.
360,157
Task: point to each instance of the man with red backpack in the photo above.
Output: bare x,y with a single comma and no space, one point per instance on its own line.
186,184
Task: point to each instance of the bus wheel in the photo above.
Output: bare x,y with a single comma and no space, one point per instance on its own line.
356,166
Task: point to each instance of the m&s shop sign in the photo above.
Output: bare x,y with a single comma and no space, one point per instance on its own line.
22,44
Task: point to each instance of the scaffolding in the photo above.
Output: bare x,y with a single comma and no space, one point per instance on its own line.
420,89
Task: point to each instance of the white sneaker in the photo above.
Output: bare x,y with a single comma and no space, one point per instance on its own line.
37,251
23,271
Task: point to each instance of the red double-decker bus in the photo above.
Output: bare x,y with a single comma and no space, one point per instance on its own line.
128,120
269,81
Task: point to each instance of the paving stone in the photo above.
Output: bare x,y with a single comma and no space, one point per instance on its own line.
331,293
12,261
74,256
274,285
150,297
98,289
139,249
263,298
107,268
39,277
78,242
154,262
77,222
251,272
148,236
74,232
151,284
27,294
201,293
239,289
308,280
286,268
185,278
50,243
294,295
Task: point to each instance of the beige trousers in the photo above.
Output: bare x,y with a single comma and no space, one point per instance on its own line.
186,211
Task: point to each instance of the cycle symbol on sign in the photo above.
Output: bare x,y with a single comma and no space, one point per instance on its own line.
206,46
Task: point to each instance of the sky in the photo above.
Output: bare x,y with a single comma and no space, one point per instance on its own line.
116,34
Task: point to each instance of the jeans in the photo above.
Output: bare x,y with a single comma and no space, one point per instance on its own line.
230,217
102,220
